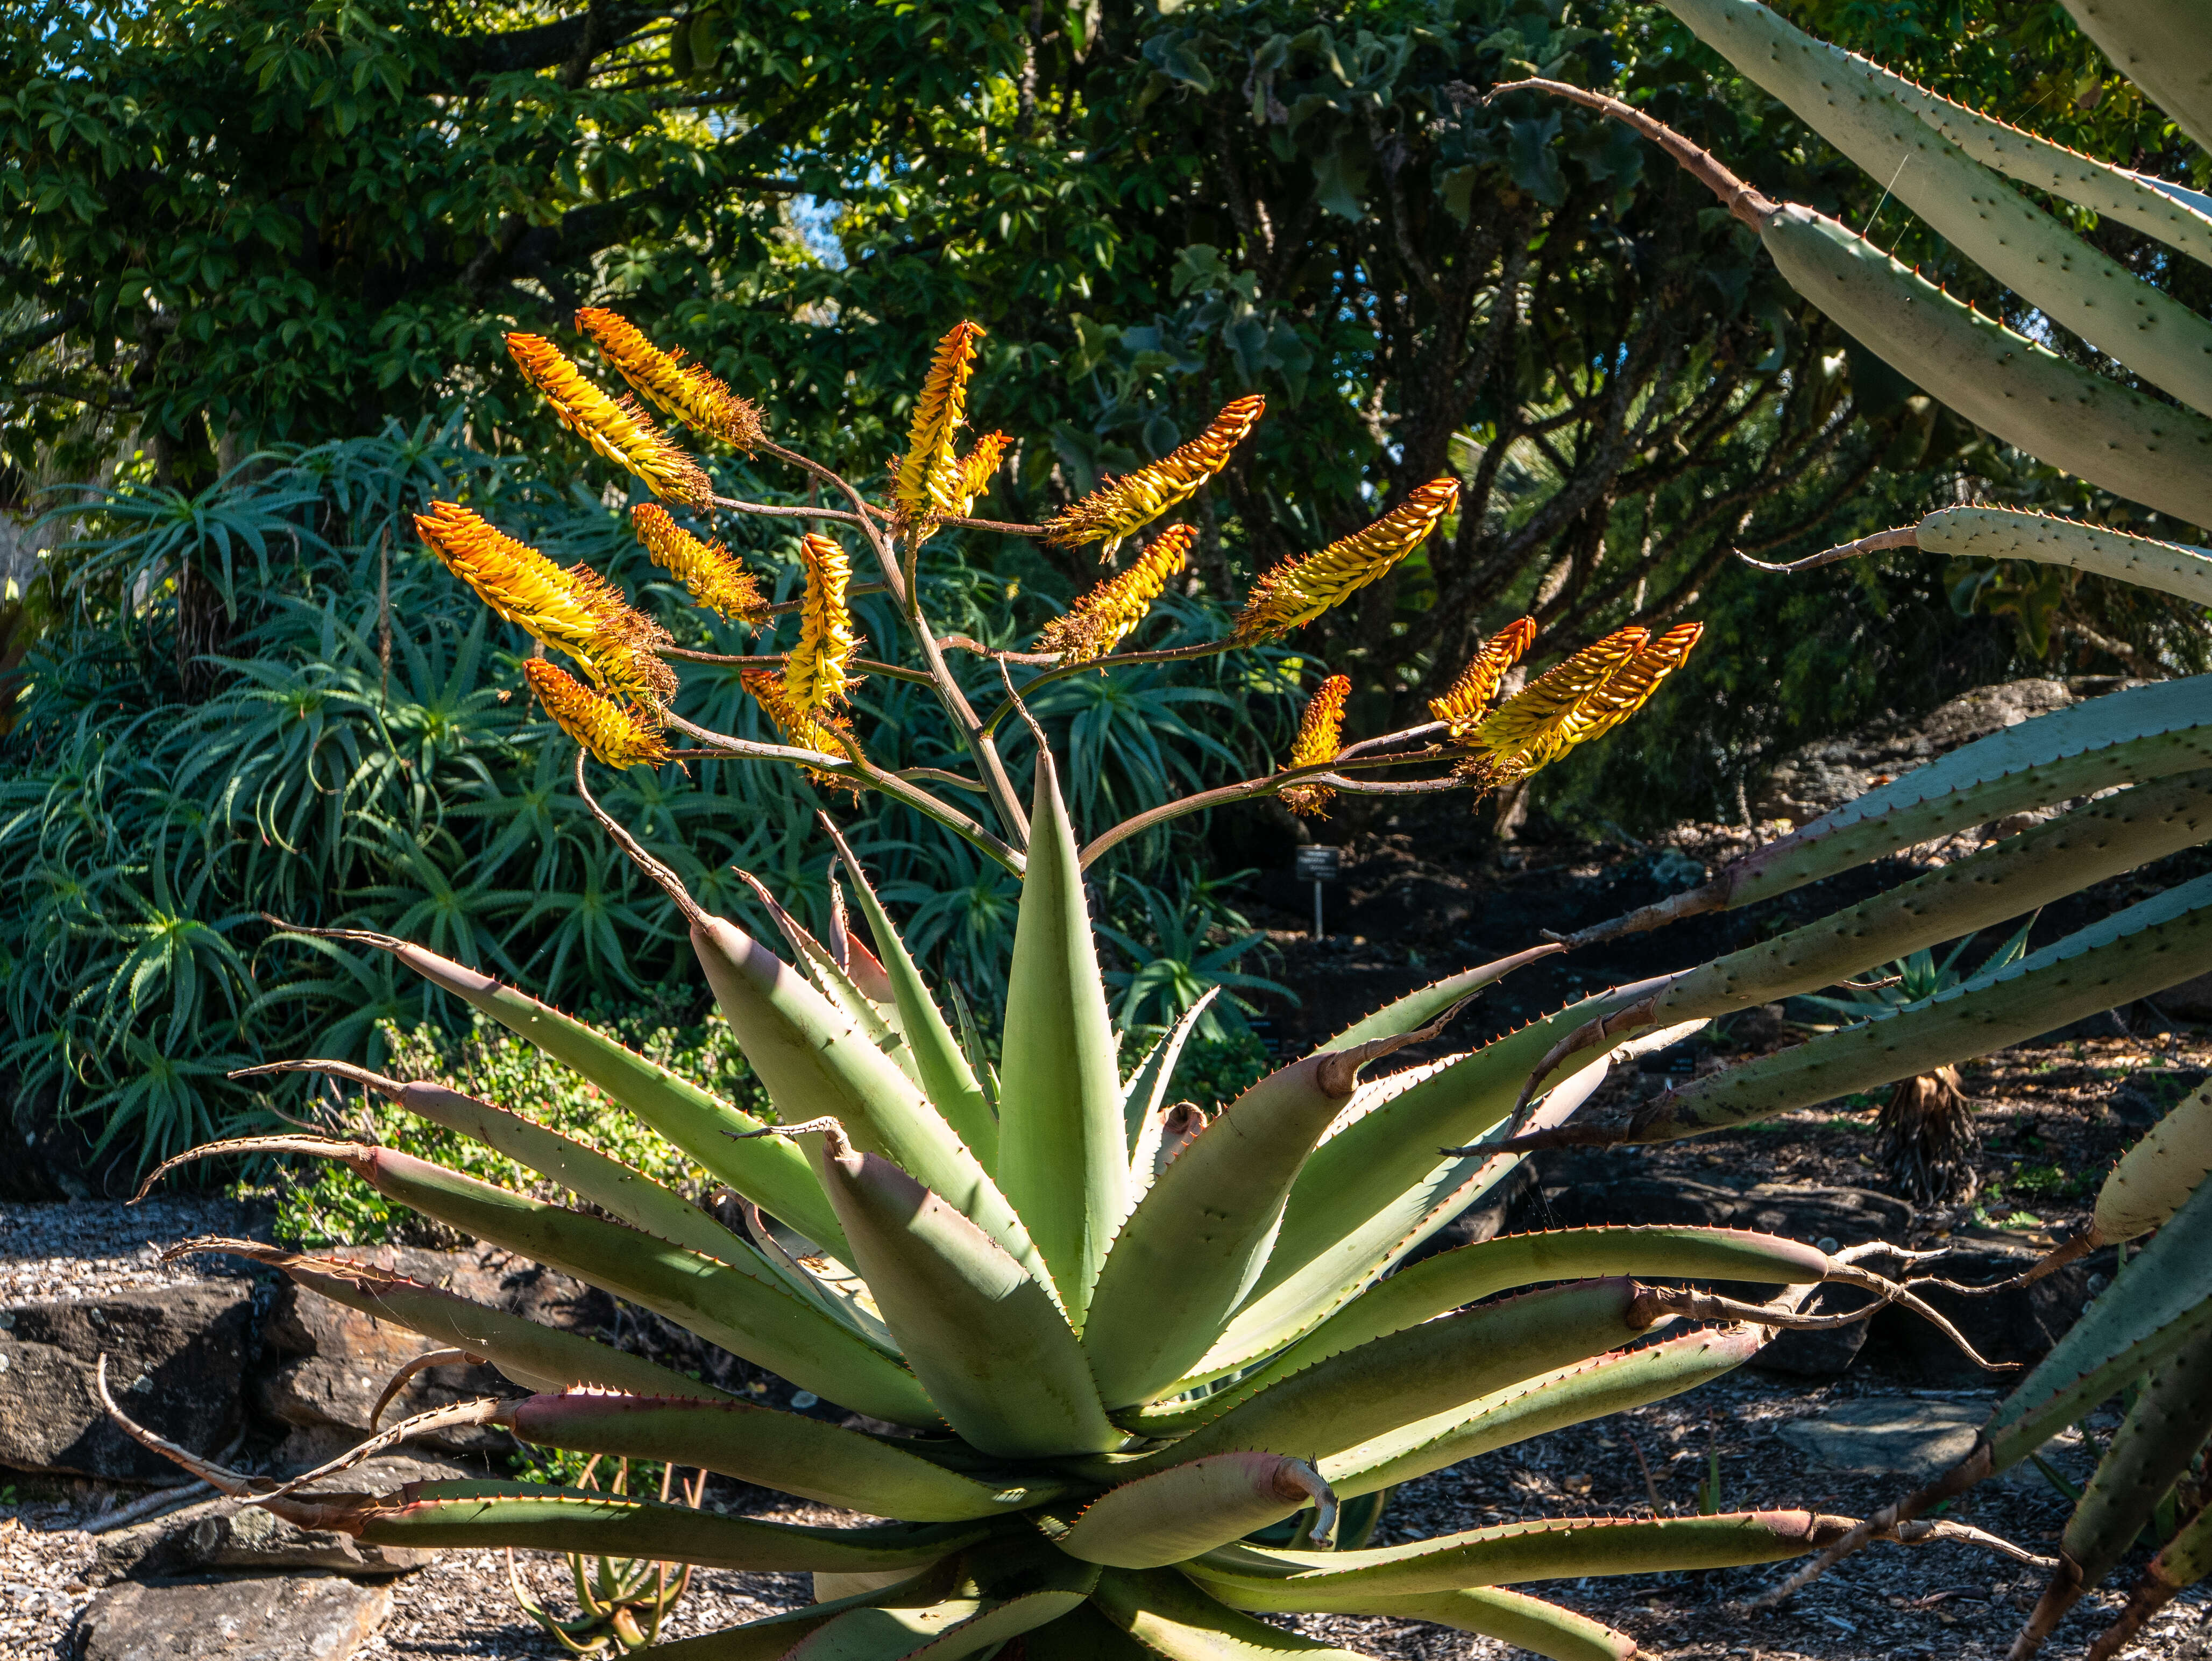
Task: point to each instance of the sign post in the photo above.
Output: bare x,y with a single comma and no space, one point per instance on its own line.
1317,861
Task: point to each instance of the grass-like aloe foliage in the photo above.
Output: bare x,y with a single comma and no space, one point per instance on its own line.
2150,1336
1089,1340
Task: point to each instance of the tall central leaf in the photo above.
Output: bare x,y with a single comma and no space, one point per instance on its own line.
1063,1155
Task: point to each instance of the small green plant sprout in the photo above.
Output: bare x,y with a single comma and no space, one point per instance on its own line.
2134,763
1090,1342
623,1601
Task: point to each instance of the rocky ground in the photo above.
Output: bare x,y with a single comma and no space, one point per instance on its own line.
98,1564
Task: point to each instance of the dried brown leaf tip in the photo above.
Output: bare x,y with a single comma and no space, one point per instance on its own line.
713,576
617,428
620,737
1320,735
1300,589
1101,620
1120,507
685,390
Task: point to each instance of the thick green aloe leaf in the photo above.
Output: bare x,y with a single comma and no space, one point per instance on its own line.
1192,1248
2124,737
828,976
950,1630
1296,1296
2006,533
1171,1617
1566,1396
535,1518
2156,1178
615,1188
1417,1008
771,1638
772,1174
749,1314
1508,1554
1514,1617
2129,954
1451,1279
537,1357
1063,1149
2072,281
2164,47
1411,1375
2161,1304
946,1078
2025,393
1085,1635
982,1333
1187,1508
2155,1446
778,1450
2058,857
817,1064
1146,1091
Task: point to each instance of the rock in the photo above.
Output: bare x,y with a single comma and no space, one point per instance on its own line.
2190,1001
2018,1325
334,1361
272,1618
1810,1212
176,1363
1810,781
1914,1438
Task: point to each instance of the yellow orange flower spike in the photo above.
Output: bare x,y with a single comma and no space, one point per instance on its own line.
1470,695
602,726
1100,620
976,468
1299,589
1632,686
929,479
1591,693
823,732
709,571
686,392
576,610
1320,735
617,429
814,674
1120,507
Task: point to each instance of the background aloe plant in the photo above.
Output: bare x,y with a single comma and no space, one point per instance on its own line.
1950,165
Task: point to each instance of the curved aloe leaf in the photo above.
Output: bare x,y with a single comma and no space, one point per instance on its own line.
779,1450
1063,1149
1526,1622
2156,1178
749,1314
975,1619
614,1187
1452,1279
2025,393
2058,857
1417,1008
817,1064
1191,1250
1147,1092
538,1357
771,1638
983,1336
772,1174
946,1078
1507,1553
1341,1268
2071,281
1188,1508
1567,1396
1408,1376
2163,47
526,1515
2006,533
1171,1617
2132,953
828,976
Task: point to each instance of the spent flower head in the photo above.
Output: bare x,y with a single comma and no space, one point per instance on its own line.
620,738
1299,589
712,575
1320,735
617,428
1100,620
1120,507
686,392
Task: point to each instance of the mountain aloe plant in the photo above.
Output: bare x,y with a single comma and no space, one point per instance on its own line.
2131,767
1085,1343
